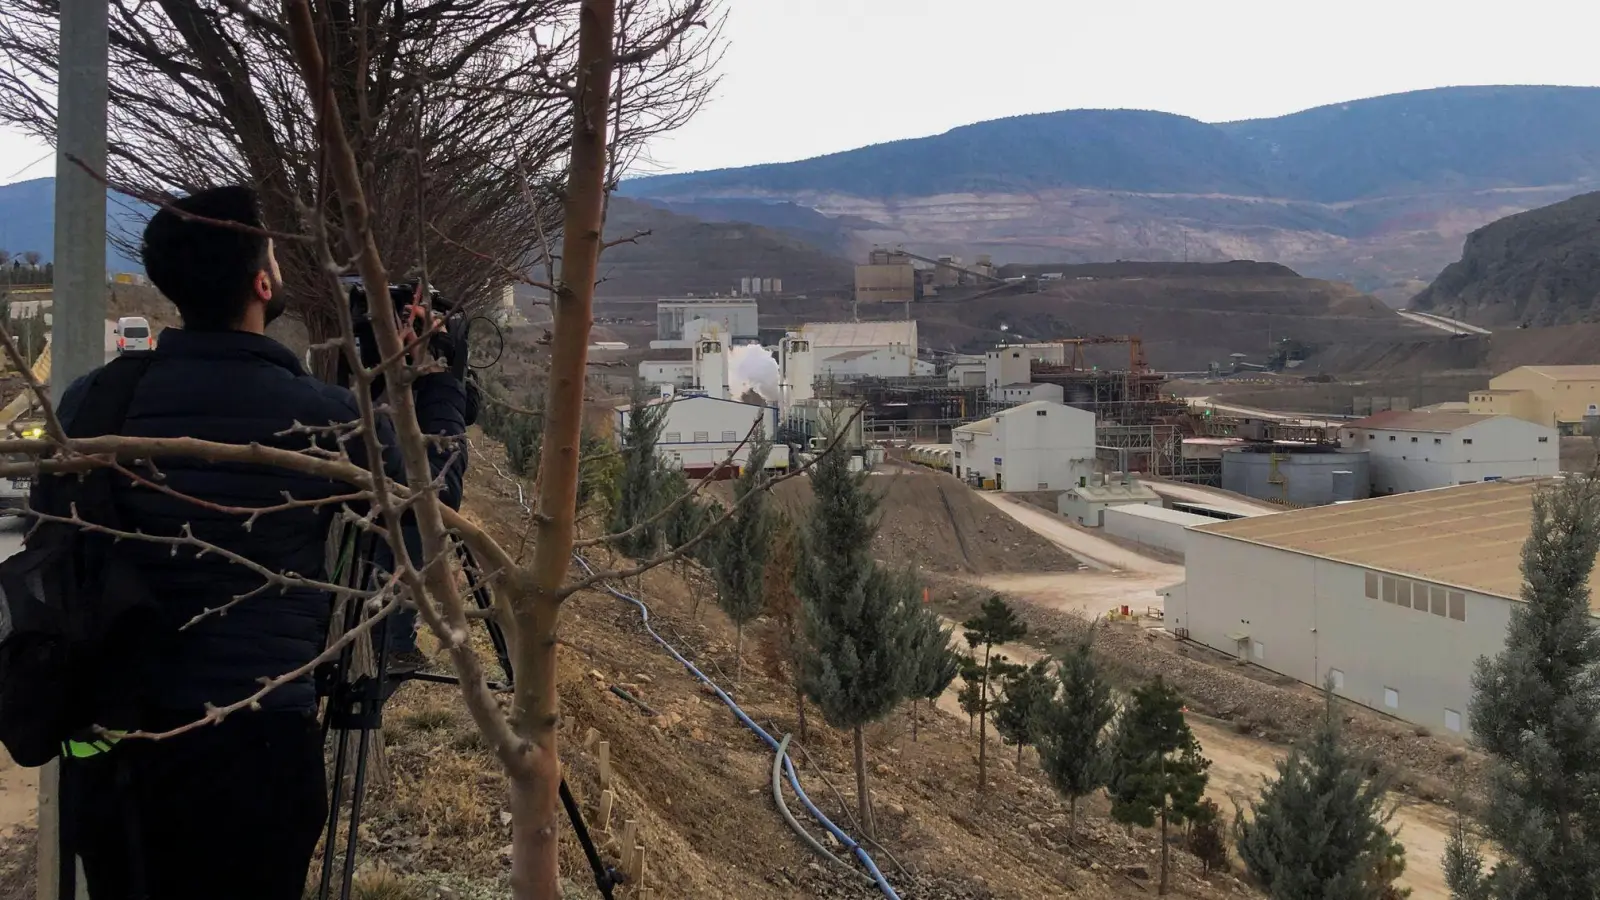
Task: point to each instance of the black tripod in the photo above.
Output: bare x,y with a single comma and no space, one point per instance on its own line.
356,704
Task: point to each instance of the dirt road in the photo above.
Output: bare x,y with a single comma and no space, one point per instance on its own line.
1089,593
1092,549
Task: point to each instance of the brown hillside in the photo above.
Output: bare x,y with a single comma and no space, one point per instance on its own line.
933,523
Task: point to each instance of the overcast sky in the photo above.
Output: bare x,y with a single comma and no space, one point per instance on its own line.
806,77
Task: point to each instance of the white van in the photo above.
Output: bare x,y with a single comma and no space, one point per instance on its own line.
133,333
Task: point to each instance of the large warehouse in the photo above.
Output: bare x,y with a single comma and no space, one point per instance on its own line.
1557,396
1038,446
1391,598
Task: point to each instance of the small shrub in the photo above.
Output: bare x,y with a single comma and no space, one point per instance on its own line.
382,883
1208,840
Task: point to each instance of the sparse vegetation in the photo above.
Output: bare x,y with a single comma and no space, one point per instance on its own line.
1025,696
739,557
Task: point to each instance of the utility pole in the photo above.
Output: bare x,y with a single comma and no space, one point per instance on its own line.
79,302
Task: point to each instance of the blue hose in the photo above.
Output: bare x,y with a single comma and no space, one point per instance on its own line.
788,764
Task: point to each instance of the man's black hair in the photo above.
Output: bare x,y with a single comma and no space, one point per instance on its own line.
206,270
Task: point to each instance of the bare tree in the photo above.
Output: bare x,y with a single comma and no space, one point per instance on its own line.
32,258
461,102
233,70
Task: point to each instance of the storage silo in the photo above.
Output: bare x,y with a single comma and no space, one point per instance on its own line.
1297,474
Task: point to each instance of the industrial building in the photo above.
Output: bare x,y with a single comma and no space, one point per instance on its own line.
1036,446
888,277
1557,396
1391,599
676,320
1086,504
704,433
1296,475
1152,526
1012,394
1416,451
865,349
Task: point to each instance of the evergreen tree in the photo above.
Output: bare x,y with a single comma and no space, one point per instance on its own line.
1536,711
784,644
1157,773
739,561
1026,696
1319,832
642,487
970,695
1071,737
933,662
855,669
995,623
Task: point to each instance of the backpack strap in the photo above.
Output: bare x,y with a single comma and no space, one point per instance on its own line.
104,407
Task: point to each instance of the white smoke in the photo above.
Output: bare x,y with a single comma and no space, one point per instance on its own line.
750,366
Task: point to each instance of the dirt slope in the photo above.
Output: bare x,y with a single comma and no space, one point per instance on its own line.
932,522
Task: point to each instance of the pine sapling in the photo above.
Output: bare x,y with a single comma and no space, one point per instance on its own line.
1072,735
1025,697
1157,773
995,623
934,663
740,559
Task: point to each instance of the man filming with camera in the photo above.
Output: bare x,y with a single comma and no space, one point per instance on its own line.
233,808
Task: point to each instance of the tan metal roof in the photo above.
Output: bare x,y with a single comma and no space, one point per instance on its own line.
1467,536
1565,373
1417,420
982,426
862,334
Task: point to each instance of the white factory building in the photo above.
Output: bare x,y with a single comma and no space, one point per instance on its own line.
679,322
1086,503
1012,364
1038,446
1415,451
847,350
1391,598
1028,392
702,433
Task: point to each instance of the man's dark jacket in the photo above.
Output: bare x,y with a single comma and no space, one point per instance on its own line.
240,388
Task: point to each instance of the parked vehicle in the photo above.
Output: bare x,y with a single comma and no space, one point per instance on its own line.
133,333
14,489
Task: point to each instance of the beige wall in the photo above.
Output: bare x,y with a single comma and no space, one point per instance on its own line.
1308,617
1553,402
881,283
1523,405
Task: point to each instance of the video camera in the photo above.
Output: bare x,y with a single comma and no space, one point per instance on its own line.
449,343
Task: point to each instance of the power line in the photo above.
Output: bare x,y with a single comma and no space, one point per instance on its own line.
47,155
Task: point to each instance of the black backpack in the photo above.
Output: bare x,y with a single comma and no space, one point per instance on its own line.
76,617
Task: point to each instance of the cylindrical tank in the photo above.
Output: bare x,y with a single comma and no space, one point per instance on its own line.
1296,475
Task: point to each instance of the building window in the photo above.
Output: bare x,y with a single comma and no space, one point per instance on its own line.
701,437
1466,440
1372,585
1544,440
1452,720
1336,677
1372,437
1402,593
958,454
1388,590
1391,698
1438,440
730,435
674,437
1038,412
1391,437
1413,439
1458,606
1436,601
1044,485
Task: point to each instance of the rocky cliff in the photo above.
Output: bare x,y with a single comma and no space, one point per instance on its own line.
1540,267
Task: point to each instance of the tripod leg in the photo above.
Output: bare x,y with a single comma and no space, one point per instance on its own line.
330,837
358,794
